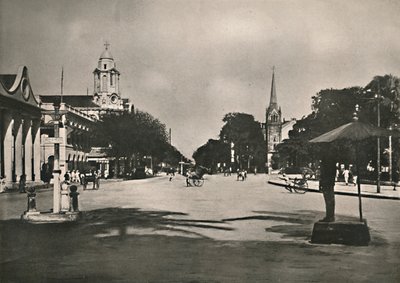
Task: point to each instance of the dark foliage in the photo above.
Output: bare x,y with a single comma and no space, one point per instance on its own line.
333,108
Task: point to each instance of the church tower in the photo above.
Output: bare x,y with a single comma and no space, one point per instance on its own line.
106,82
273,122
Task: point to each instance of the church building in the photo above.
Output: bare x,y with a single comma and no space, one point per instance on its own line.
273,123
276,129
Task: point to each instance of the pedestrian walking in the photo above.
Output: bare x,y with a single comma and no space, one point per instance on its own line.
2,184
337,173
22,183
353,171
346,174
73,176
396,175
78,176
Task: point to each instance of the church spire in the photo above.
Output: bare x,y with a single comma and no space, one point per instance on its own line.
273,102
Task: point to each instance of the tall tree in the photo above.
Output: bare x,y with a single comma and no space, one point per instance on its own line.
137,134
245,133
212,153
332,108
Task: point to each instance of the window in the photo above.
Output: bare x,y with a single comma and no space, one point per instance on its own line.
274,118
104,83
111,79
105,66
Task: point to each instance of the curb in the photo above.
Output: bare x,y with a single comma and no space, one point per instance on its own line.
364,195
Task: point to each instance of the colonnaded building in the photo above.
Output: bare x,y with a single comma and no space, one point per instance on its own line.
27,125
81,112
20,117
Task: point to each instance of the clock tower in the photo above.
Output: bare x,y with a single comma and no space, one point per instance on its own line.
106,82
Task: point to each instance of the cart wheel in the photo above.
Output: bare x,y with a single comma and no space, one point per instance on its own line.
300,187
198,182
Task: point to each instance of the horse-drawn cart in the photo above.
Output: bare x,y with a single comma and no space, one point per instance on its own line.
90,177
195,178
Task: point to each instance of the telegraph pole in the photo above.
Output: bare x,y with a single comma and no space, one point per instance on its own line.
56,169
378,159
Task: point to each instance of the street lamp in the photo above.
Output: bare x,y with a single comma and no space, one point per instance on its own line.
378,97
56,169
390,157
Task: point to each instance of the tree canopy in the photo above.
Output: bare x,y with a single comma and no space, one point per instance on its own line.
332,108
244,134
212,153
136,134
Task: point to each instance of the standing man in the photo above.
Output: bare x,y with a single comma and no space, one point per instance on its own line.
396,175
346,174
327,184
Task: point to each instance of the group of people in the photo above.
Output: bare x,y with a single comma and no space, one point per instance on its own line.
241,174
349,174
73,176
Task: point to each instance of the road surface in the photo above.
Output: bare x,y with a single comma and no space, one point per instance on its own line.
155,230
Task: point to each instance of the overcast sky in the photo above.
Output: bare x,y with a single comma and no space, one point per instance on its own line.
190,62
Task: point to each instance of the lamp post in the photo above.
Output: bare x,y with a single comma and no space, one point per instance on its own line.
378,158
56,169
390,157
378,97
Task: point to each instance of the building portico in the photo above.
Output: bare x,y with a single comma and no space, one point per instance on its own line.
19,129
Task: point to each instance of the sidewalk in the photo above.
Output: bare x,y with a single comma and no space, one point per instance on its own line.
367,190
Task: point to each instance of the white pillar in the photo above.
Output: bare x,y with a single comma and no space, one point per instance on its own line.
36,149
63,157
18,148
28,150
8,142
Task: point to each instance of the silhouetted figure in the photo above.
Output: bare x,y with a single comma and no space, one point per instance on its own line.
22,183
396,175
327,184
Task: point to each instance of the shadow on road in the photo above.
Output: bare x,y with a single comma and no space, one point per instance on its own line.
131,245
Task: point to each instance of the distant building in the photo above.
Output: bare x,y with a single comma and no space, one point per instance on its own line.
19,129
287,126
106,96
82,111
273,123
77,139
275,129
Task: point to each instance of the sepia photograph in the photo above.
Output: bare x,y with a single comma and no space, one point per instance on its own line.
199,141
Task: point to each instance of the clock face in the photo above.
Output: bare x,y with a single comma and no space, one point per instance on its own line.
25,89
114,99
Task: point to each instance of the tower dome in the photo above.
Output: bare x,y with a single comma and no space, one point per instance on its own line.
106,53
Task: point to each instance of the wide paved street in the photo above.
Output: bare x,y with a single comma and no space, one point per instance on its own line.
154,230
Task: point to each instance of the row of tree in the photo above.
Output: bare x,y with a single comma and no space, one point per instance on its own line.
240,145
135,138
241,142
379,99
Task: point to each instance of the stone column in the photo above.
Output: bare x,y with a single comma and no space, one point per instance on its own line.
36,149
18,147
63,157
8,142
28,150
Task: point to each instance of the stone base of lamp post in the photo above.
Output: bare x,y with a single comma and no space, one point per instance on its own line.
49,217
69,207
352,233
